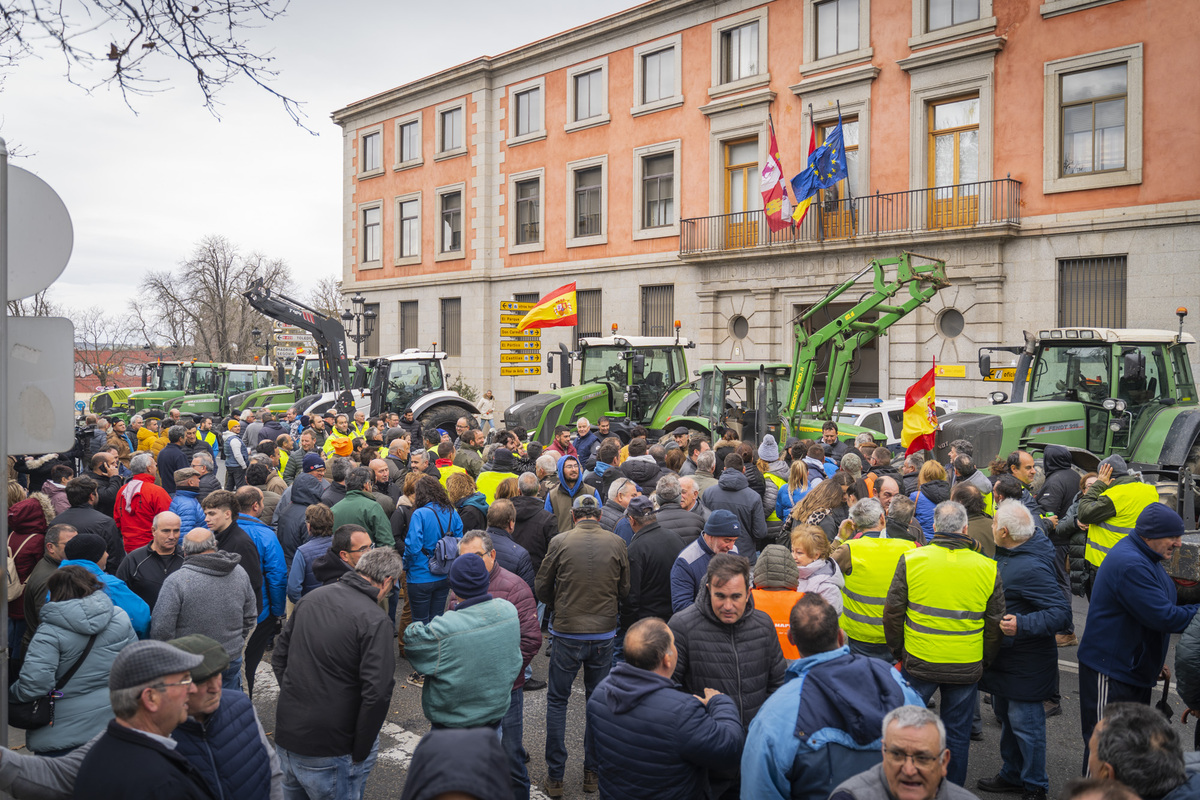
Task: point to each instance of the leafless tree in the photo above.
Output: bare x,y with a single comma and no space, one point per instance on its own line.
39,305
132,44
327,296
204,295
101,343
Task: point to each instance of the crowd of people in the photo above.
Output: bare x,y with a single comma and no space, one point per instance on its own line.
808,619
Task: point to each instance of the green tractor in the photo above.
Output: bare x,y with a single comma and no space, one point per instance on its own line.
169,380
632,380
235,387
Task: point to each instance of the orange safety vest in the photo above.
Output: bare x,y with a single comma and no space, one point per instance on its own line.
777,604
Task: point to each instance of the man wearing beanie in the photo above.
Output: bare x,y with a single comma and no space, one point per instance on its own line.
720,535
87,550
149,687
482,636
1109,509
1131,616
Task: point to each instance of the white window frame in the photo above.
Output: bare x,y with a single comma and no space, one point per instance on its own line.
397,259
374,130
439,250
1052,182
591,122
763,78
1055,8
539,175
673,147
863,53
572,168
420,158
521,88
363,208
673,43
460,103
923,37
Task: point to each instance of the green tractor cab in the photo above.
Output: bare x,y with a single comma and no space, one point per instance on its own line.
234,387
169,380
633,380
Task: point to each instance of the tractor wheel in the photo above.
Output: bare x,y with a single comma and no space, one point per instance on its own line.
445,417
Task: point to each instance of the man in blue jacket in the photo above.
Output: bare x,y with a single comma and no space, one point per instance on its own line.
275,575
87,550
651,739
1131,617
1025,672
822,726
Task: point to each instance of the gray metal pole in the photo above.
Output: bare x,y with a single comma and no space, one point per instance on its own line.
4,643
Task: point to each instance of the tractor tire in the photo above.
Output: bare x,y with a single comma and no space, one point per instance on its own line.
445,417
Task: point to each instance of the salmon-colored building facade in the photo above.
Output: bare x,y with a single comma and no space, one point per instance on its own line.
1045,150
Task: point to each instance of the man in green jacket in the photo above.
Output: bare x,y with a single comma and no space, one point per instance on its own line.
359,507
481,636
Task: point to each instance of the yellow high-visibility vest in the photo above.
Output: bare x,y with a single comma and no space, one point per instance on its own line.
872,566
948,592
781,485
1129,500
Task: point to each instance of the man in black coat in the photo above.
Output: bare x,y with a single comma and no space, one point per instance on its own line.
684,523
652,553
172,458
534,526
83,494
105,471
220,514
149,686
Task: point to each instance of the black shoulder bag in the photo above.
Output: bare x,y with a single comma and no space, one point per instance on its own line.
39,712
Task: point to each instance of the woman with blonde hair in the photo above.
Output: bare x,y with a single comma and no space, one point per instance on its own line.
932,488
798,486
824,506
507,489
471,505
818,572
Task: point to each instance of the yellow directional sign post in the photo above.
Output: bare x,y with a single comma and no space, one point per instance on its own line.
509,305
507,345
516,371
950,371
527,361
520,358
1004,375
534,333
511,319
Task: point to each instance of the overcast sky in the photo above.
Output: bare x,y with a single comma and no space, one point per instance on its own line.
143,188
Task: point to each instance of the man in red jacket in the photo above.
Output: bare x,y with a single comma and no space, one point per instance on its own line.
138,502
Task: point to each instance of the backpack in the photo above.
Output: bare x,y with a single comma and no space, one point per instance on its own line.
16,586
444,551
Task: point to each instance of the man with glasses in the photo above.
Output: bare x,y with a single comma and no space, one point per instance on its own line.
838,699
149,687
349,544
210,595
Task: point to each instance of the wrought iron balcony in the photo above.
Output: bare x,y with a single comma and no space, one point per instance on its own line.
964,206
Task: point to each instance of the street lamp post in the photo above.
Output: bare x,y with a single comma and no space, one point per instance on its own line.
363,319
257,334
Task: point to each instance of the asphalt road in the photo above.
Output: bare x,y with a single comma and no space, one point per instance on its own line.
406,724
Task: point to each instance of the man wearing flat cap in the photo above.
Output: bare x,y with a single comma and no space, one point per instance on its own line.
1131,617
149,687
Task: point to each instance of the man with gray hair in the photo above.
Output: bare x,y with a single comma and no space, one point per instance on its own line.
172,457
138,502
1024,674
211,595
1135,745
942,622
915,762
338,471
706,462
345,655
203,464
534,526
546,469
672,515
612,516
149,687
851,463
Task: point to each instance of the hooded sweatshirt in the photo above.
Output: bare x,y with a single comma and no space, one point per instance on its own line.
1062,482
473,510
210,594
290,525
927,497
560,498
120,594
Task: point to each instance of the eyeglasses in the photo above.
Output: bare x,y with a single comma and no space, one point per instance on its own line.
185,682
920,760
362,549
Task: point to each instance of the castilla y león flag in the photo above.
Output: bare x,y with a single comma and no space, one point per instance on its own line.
554,310
920,419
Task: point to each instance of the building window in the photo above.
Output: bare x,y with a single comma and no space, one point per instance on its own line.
658,191
451,222
589,322
587,95
1091,292
1093,120
408,143
587,202
657,67
527,297
587,183
372,152
837,27
371,344
408,221
658,310
837,212
529,202
408,325
954,142
452,129
529,112
945,13
452,326
372,233
739,52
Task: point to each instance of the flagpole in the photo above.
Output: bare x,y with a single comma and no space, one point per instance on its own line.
812,122
849,192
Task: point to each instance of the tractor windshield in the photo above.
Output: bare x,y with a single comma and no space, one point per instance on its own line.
410,380
602,364
171,378
240,380
1072,372
200,380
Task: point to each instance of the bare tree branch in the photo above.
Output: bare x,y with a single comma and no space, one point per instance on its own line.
37,306
101,343
327,295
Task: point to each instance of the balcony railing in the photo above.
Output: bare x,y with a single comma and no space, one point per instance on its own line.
964,206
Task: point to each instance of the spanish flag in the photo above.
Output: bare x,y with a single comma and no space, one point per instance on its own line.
920,419
802,203
555,310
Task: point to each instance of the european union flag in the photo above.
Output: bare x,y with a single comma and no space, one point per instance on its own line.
826,166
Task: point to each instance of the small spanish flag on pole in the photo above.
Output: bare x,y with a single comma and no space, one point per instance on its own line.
920,418
557,309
